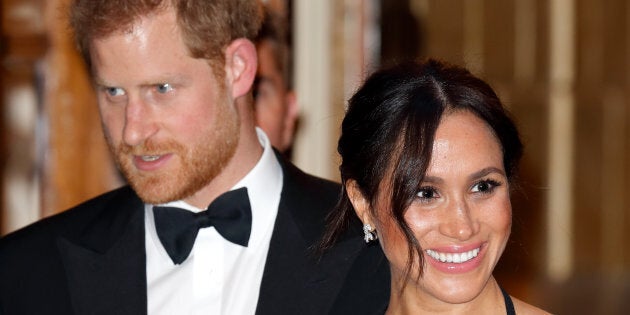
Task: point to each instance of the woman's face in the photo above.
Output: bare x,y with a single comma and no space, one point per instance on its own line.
461,216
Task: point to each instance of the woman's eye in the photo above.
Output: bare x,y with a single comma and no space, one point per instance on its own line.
427,193
114,91
164,88
485,186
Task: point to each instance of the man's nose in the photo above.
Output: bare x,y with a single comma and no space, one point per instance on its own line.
139,124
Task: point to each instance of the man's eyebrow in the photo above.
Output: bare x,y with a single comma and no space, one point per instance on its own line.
100,82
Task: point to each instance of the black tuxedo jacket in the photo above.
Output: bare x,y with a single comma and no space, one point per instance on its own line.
91,259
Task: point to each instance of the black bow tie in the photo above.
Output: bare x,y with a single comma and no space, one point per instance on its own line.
230,214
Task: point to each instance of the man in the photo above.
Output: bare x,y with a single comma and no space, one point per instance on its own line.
275,103
173,82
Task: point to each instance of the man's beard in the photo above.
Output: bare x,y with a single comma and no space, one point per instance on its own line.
198,163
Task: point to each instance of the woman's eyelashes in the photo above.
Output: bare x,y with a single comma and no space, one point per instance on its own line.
427,194
486,186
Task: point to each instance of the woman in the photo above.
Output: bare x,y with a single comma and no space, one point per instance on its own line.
428,159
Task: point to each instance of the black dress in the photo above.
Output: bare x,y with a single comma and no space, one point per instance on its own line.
509,306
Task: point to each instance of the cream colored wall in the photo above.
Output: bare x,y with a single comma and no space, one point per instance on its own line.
313,150
335,44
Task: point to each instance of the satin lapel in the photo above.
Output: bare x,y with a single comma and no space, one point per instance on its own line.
281,283
105,266
295,280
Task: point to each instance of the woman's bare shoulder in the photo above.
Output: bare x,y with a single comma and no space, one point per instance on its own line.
523,308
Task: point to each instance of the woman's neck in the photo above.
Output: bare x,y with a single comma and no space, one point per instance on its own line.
414,299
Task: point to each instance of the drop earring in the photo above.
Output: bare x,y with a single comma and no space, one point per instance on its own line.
370,233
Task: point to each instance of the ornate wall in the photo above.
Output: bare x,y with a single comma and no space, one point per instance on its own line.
53,148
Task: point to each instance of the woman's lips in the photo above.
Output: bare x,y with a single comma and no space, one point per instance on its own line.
454,257
458,260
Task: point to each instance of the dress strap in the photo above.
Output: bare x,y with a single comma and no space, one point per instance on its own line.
509,306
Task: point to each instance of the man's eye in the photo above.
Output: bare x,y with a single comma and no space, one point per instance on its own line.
164,88
114,91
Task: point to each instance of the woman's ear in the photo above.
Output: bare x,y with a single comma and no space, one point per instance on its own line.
359,202
241,63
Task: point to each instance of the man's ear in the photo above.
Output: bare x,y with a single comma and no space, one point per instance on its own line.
359,202
241,63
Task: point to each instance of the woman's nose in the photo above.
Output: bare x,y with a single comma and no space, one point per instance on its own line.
457,221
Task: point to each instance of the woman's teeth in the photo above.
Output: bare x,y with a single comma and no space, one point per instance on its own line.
457,258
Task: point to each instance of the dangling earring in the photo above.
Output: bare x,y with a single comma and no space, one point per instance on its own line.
370,233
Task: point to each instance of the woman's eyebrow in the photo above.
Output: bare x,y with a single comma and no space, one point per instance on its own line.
486,171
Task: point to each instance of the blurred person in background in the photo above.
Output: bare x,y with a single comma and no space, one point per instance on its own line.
275,102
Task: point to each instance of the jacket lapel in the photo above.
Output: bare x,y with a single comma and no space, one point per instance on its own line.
296,280
105,265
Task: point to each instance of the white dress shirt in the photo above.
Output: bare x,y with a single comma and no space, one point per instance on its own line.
218,277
